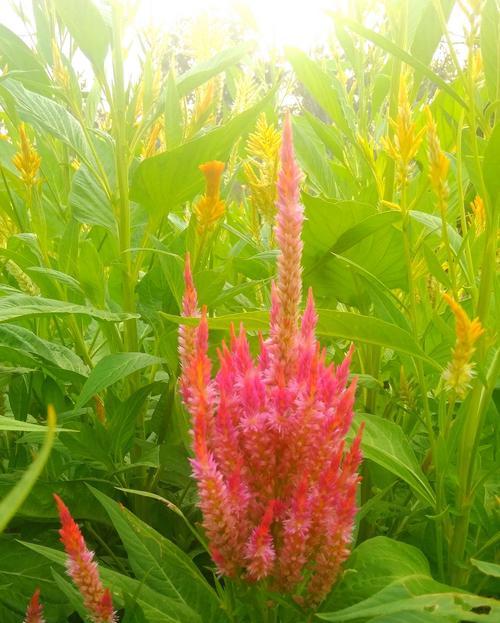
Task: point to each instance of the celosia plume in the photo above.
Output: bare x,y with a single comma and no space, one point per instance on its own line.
34,611
477,207
438,164
276,485
83,570
210,207
404,146
26,160
459,372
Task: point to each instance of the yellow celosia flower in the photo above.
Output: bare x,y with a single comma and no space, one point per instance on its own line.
209,209
477,207
27,161
59,71
438,164
459,372
404,146
261,169
154,144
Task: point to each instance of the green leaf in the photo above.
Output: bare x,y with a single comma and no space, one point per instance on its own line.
373,565
205,70
16,306
113,368
48,116
19,58
89,28
167,568
164,181
9,423
331,323
161,608
490,47
16,496
489,568
385,443
491,166
89,202
398,52
363,229
319,85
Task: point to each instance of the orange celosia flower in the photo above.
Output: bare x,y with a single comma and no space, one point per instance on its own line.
27,161
210,207
459,372
34,611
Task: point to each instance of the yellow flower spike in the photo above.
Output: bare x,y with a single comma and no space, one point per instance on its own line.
154,144
210,207
26,160
438,163
261,168
477,207
404,146
459,372
59,71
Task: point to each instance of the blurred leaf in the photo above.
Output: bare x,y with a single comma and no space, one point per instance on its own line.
490,47
488,568
491,166
19,57
88,26
16,496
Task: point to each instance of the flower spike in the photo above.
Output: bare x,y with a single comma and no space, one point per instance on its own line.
83,570
34,611
276,485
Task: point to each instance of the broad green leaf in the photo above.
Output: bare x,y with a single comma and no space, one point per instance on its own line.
490,47
398,52
16,306
419,594
57,359
16,496
89,202
434,224
488,568
374,564
48,116
331,323
385,443
164,181
162,608
111,369
173,113
365,228
167,568
56,275
88,26
19,58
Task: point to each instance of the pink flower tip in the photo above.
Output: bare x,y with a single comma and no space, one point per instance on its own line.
34,611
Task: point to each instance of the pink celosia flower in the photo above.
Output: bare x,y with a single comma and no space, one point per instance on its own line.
34,611
83,570
277,487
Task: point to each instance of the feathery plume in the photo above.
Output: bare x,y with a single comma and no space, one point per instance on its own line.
26,160
477,207
210,208
83,569
276,486
459,372
438,164
34,611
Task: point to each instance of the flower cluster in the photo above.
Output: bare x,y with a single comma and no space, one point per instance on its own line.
83,569
210,207
438,165
26,160
459,372
277,486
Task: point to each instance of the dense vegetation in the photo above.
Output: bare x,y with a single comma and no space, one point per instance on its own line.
108,181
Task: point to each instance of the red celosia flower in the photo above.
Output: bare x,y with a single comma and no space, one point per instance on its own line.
276,485
34,611
83,570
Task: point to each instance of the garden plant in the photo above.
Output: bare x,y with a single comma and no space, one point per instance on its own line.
249,350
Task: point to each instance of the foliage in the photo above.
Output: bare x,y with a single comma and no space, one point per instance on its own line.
101,197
